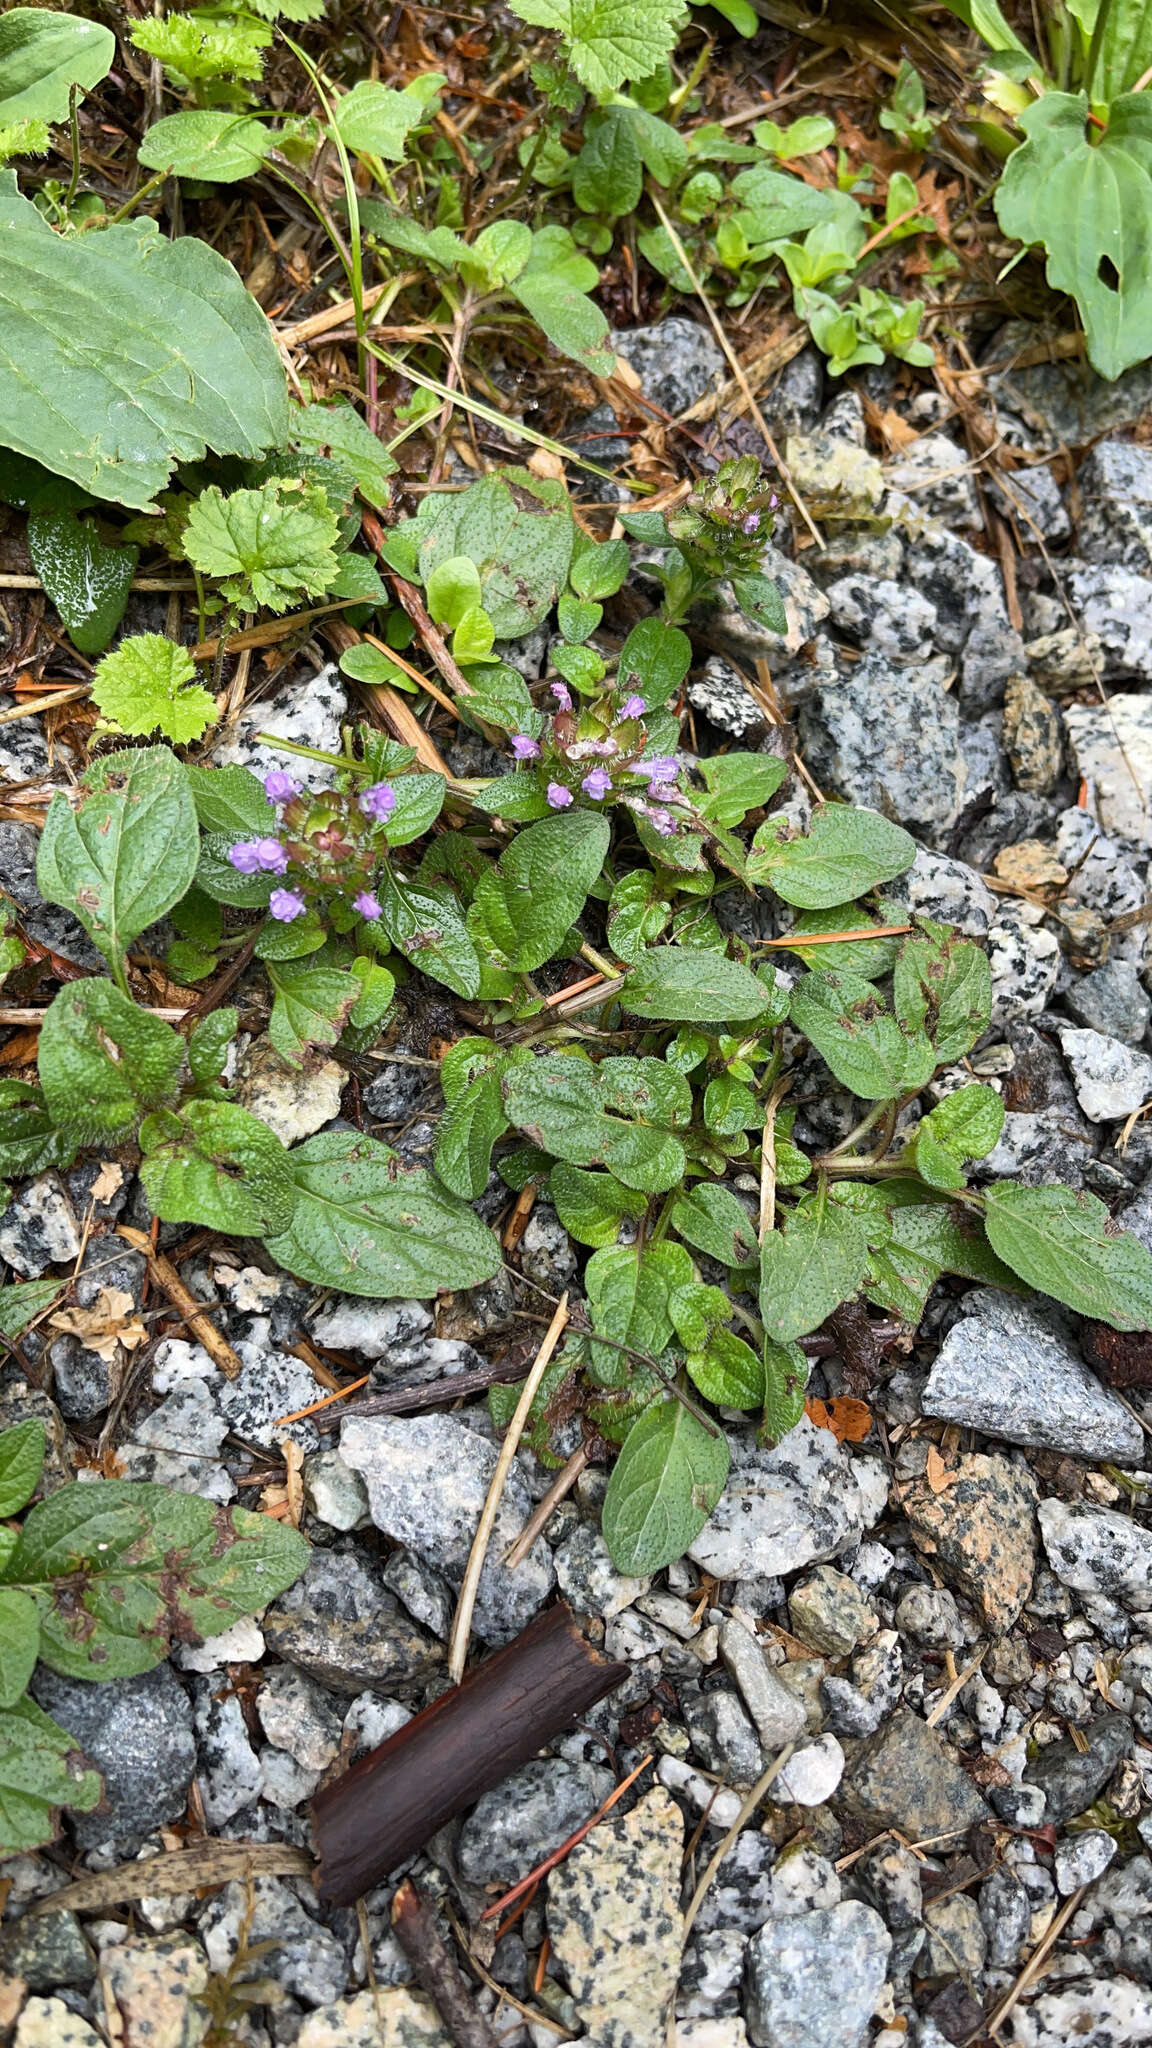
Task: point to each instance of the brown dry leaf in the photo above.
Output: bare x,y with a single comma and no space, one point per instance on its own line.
937,1472
108,1181
896,430
110,1321
294,1487
21,1049
848,1419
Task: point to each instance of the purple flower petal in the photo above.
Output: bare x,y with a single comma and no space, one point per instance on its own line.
378,801
561,693
632,707
245,856
365,903
279,786
285,904
271,856
662,822
525,749
558,797
597,784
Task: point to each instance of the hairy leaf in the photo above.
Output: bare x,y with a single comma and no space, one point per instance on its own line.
143,687
213,144
104,1061
807,1268
40,1769
231,800
943,985
524,907
592,1206
128,851
728,1371
19,1643
846,852
966,1125
217,1165
1067,1245
517,530
30,1139
785,1383
629,1298
664,1485
87,581
424,923
378,120
709,1217
606,42
339,432
566,1106
846,1021
312,1006
677,984
271,545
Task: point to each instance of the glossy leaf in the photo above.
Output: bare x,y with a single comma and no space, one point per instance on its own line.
524,907
592,1206
127,852
41,1769
709,1217
22,1447
87,581
44,54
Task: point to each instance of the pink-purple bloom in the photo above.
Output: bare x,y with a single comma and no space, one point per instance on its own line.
279,786
285,904
525,749
378,801
558,797
661,821
597,784
271,856
365,903
245,856
750,523
562,695
662,770
632,707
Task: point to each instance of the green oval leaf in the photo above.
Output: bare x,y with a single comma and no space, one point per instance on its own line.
1066,1245
42,55
128,851
678,985
664,1485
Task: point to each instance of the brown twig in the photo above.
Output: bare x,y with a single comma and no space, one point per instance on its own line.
558,1855
435,1969
195,1313
541,1514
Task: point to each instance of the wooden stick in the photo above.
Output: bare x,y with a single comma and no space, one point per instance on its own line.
195,1313
462,1620
341,1394
435,1969
32,705
389,1804
541,1514
749,1806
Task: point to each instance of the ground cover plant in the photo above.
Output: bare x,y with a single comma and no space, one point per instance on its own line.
614,1044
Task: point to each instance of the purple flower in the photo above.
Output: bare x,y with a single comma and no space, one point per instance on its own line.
245,855
750,523
365,903
524,749
562,696
379,801
663,792
558,797
632,707
285,904
597,784
279,786
662,770
271,856
661,821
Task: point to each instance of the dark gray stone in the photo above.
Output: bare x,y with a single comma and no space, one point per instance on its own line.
677,361
902,1778
888,737
339,1624
83,1379
740,1895
1112,1001
512,1828
1071,1779
48,1950
138,1733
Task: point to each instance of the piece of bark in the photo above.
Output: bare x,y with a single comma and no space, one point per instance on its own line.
435,1969
390,1803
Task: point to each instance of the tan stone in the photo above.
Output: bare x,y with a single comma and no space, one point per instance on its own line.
396,2018
615,1923
150,1986
981,1525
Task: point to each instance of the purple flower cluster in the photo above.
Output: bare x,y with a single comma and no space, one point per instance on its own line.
378,801
253,856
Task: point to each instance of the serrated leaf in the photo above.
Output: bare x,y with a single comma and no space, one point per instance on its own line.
592,1206
809,1267
19,1643
128,851
606,43
846,852
563,1105
655,658
378,120
270,546
1087,202
142,687
42,55
338,431
84,351
312,1006
1065,1244
143,1564
104,1061
709,1217
868,1052
664,1485
943,986
40,1769
22,1447
785,1381
523,909
87,581
680,985
213,144
217,1165
365,1225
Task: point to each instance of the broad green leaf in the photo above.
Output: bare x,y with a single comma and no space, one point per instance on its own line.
709,1217
312,1006
809,1267
22,1447
654,659
629,1293
208,1043
270,546
729,1107
222,883
419,802
523,909
128,851
213,144
144,1564
606,43
377,120
143,688
29,1137
592,1206
44,54
921,1240
804,137
762,598
679,985
871,958
845,853
779,205
87,581
518,798
497,255
519,534
19,1643
217,1165
785,1384
664,1485
965,1125
868,1052
637,914
470,1075
1087,202
943,986
553,287
697,1312
1066,1245
365,1225
84,351
104,1061
1121,49
728,1372
231,800
437,246
377,989
339,432
451,589
40,1769
367,664
425,924
598,567
608,177
563,1105
739,783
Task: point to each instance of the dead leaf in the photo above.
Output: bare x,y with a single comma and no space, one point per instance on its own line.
848,1419
111,1321
938,1474
294,1487
108,1181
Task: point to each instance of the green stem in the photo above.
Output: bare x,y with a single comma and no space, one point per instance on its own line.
74,127
140,193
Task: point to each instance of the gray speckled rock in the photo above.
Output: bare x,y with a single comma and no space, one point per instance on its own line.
740,1895
427,1478
38,1228
293,1101
228,1769
811,1775
936,472
886,734
813,1979
47,1951
723,1737
1010,1369
335,1494
1033,736
883,616
298,1716
902,1778
710,1976
1097,1551
1111,1001
152,1985
1006,1911
1115,605
47,922
720,693
1072,1778
588,1578
309,710
84,1380
1081,1859
394,1330
829,1612
981,1528
48,2023
309,1962
947,890
677,360
512,1828
1111,1080
1095,2012
615,1923
799,1504
857,1705
836,477
392,2018
957,1944
777,1713
1024,957
338,1623
1115,524
272,1384
138,1733
1100,736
